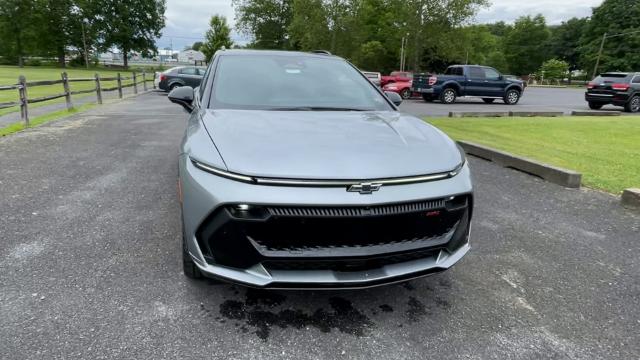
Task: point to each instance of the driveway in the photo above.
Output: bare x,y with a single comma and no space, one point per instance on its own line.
534,99
90,266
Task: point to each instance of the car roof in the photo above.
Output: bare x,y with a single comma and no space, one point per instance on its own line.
244,52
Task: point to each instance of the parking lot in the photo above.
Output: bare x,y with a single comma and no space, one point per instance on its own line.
90,263
565,100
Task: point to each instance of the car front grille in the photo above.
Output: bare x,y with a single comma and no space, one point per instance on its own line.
337,212
351,234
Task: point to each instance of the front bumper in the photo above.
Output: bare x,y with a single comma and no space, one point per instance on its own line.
253,253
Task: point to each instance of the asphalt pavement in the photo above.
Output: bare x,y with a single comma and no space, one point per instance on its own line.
90,266
565,100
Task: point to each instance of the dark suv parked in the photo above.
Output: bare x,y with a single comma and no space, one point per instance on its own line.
181,76
619,89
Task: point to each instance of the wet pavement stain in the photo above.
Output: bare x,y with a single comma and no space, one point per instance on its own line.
343,317
416,310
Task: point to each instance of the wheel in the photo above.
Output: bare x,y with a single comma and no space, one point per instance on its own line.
595,106
174,85
427,97
512,97
448,96
488,101
405,94
633,105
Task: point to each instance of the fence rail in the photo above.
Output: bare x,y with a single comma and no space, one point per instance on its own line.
24,100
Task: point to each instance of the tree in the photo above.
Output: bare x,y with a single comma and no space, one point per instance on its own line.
525,46
17,28
563,41
131,25
197,45
619,53
216,37
554,69
267,21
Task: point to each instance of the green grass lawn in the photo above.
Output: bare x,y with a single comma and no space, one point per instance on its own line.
9,75
605,149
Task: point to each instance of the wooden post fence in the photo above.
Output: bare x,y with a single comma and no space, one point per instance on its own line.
24,108
67,92
135,84
119,86
98,89
144,81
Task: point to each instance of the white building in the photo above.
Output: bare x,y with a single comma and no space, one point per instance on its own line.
190,56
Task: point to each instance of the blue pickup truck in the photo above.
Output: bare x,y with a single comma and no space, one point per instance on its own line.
468,81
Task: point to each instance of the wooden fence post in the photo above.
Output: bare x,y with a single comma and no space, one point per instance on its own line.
135,84
24,109
119,86
144,81
67,92
98,89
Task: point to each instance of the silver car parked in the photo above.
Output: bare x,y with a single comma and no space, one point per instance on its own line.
295,171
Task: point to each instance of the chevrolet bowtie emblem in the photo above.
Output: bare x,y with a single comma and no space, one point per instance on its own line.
364,188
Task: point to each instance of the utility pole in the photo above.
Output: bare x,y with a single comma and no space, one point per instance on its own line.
84,42
595,70
402,55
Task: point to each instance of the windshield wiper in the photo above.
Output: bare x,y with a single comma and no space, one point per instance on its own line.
317,108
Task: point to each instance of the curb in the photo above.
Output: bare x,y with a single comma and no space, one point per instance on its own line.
464,114
550,173
631,198
596,113
472,114
536,113
548,86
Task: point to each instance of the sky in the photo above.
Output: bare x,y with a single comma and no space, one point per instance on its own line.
187,20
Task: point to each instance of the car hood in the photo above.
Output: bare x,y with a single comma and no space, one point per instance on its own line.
335,145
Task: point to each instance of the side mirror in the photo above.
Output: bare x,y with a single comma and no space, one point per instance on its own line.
394,97
182,96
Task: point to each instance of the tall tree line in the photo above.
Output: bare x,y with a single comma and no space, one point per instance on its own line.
58,28
439,33
367,32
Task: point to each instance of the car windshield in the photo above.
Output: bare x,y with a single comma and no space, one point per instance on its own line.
286,82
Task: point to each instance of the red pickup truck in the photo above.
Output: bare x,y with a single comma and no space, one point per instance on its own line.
396,76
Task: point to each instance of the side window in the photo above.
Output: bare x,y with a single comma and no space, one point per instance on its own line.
636,80
189,71
454,71
476,73
491,74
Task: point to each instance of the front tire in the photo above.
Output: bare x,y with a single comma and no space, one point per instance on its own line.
448,96
488,101
405,94
595,105
512,97
633,106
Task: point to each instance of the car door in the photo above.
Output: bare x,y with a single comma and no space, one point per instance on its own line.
475,85
494,84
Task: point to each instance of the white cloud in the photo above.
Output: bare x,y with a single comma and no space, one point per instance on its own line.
555,11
